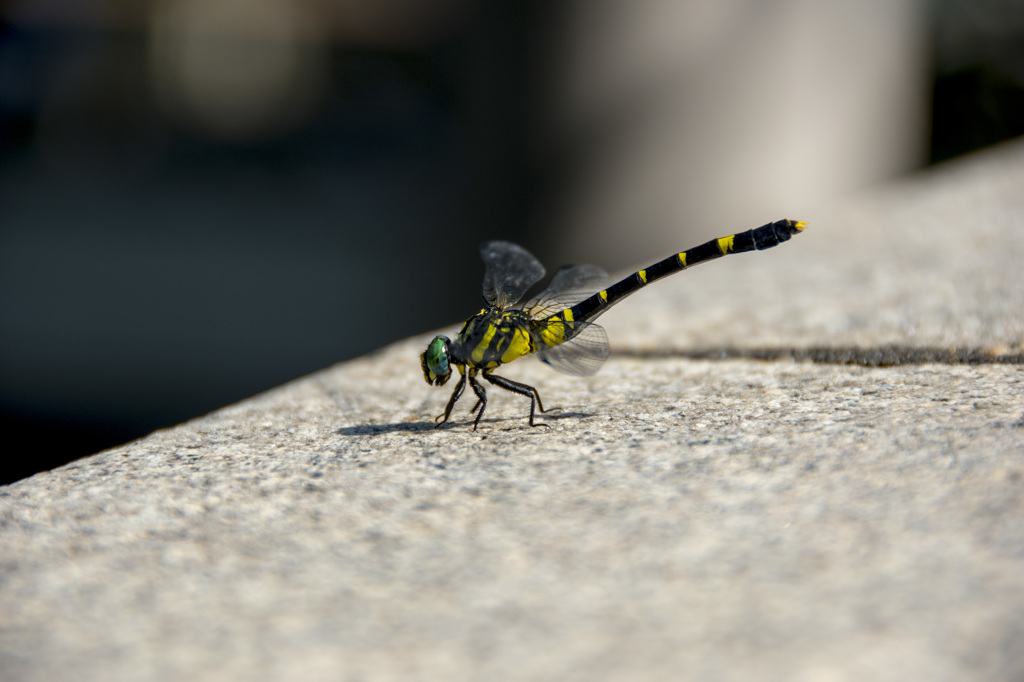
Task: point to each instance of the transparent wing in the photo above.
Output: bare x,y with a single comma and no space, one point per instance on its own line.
582,355
510,271
570,285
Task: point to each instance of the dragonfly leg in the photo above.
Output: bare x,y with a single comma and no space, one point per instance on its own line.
481,402
522,389
456,394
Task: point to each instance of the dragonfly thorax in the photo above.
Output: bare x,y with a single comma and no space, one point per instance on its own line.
493,337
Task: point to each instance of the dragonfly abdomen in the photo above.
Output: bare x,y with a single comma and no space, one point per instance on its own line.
759,238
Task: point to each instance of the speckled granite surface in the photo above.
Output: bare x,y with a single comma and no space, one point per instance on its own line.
684,516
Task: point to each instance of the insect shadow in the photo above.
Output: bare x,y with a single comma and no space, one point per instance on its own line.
426,426
375,429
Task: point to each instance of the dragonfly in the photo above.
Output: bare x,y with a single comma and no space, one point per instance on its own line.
558,323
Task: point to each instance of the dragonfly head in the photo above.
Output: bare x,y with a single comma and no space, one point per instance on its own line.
434,360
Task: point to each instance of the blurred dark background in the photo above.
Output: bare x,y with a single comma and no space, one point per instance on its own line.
203,199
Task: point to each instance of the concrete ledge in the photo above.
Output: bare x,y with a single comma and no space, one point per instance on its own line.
680,518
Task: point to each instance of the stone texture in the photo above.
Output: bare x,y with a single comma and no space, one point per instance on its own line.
682,517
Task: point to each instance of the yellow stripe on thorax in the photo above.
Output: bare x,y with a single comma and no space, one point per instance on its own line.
477,355
519,346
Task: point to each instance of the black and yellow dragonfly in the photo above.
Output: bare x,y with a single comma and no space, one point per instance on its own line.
558,324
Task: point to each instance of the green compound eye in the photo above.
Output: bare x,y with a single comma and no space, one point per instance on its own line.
434,361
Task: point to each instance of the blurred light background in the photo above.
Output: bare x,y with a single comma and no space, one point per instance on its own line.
202,199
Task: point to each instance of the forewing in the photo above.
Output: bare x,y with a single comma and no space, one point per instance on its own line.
582,355
570,285
509,271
